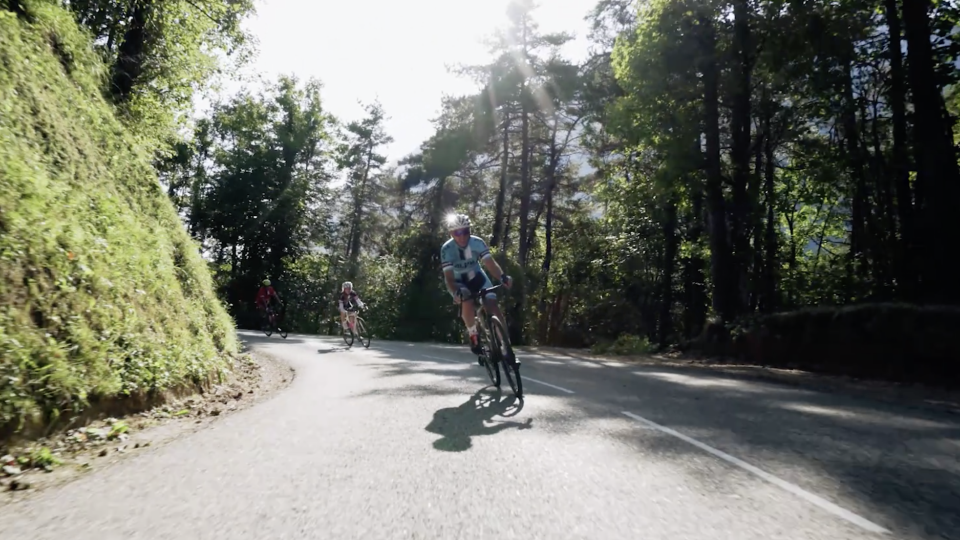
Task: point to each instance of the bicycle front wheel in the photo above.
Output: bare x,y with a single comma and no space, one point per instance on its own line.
493,371
347,336
362,333
511,368
266,327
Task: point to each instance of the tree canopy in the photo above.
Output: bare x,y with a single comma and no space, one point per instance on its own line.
710,161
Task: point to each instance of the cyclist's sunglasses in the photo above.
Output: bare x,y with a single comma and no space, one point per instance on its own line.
461,232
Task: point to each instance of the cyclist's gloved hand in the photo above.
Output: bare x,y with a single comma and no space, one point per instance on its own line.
505,279
360,304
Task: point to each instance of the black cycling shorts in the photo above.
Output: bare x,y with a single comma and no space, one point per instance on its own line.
478,282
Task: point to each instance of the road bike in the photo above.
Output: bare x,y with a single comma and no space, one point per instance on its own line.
269,324
356,329
495,344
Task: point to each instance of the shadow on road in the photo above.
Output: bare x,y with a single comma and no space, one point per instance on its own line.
892,464
458,425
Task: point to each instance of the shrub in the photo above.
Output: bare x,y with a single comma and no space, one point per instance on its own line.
899,342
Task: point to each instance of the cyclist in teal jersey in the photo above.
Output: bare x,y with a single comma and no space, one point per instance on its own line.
460,258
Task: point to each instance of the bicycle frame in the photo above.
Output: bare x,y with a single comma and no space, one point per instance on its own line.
351,319
480,307
270,314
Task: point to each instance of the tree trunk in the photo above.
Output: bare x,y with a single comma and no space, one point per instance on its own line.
131,55
860,241
507,221
756,217
740,151
694,279
771,272
725,296
545,268
665,326
356,230
525,186
937,172
498,219
882,219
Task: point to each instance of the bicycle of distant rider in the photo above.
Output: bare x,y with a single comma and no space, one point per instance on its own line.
495,344
269,323
356,328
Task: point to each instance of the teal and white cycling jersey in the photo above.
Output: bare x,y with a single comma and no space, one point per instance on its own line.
465,262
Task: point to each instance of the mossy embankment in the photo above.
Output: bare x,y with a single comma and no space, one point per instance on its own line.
104,298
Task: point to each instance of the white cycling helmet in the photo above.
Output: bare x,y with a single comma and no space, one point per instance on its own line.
346,284
458,221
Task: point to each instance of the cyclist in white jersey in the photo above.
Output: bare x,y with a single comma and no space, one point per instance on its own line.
460,258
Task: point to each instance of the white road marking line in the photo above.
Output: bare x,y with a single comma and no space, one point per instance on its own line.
787,486
562,389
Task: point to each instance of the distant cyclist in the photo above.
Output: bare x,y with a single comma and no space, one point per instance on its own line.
265,295
460,258
348,298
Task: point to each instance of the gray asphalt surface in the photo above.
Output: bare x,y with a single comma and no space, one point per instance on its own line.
404,441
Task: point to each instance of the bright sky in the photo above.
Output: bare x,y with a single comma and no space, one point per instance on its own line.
394,50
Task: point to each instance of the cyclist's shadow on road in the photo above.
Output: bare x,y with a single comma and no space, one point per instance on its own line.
457,425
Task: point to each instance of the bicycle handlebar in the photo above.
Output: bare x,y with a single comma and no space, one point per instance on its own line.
481,293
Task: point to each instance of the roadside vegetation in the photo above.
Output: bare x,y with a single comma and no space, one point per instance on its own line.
770,181
105,301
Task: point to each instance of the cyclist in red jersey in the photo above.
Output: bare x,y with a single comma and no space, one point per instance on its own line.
264,295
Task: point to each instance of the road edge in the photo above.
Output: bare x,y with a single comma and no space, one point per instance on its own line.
256,378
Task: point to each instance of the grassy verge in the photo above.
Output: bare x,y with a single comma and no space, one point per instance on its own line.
103,296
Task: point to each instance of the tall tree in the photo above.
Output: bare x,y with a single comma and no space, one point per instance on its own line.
261,166
360,157
938,175
160,51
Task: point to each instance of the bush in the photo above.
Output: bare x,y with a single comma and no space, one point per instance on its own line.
898,342
625,344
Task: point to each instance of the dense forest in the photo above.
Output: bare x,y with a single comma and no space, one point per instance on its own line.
711,164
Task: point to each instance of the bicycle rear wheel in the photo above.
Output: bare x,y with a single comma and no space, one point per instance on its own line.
511,368
362,333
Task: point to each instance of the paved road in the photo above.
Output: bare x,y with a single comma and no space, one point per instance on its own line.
403,441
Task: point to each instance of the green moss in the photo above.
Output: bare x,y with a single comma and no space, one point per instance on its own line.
102,293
